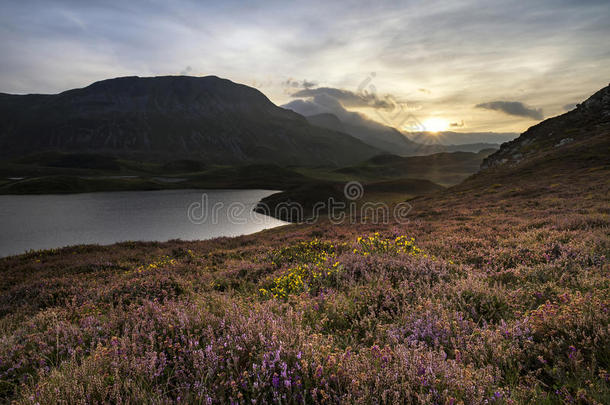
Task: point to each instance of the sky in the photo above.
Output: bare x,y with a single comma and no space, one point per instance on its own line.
473,65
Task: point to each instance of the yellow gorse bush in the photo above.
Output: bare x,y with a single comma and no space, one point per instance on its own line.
290,283
317,262
162,262
315,251
376,244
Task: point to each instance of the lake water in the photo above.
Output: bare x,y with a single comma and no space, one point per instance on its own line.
52,221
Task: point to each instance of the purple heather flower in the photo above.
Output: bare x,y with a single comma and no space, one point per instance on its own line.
571,352
319,371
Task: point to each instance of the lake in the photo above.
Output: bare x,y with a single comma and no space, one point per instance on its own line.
51,221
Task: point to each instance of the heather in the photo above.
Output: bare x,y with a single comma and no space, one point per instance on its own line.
495,298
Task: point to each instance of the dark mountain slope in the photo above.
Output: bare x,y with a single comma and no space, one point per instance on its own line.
580,135
170,117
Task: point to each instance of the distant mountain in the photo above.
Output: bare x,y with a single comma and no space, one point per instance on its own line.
461,138
167,118
471,147
580,137
380,136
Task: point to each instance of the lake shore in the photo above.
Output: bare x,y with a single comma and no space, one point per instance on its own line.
51,221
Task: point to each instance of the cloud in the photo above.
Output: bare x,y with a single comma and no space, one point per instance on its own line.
569,107
306,107
296,84
390,112
324,104
457,124
472,49
320,104
347,98
513,108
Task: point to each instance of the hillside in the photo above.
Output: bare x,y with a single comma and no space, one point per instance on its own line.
170,118
572,132
55,172
446,169
492,291
309,193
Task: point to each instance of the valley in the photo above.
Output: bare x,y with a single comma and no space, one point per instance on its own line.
494,291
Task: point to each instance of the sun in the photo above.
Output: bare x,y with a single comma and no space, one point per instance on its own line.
435,124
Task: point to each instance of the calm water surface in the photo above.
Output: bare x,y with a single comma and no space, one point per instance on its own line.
51,221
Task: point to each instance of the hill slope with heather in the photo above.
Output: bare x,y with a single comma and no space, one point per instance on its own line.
492,291
169,118
584,128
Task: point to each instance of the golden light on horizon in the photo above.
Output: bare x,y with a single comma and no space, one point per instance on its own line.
436,124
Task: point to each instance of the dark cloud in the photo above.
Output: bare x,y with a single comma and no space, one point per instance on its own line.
389,111
513,108
347,98
457,124
305,84
296,84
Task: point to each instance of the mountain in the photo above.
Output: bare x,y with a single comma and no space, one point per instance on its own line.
380,136
451,138
579,137
471,147
168,118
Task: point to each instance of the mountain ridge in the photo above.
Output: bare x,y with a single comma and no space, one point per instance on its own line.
169,117
389,139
